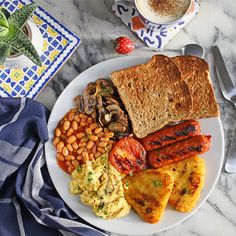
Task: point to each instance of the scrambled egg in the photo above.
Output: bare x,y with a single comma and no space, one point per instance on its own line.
99,185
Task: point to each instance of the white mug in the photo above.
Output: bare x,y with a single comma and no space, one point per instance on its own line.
149,23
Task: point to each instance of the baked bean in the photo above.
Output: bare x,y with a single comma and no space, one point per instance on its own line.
70,169
102,144
83,116
60,145
91,156
83,144
93,126
85,157
109,147
90,144
56,141
75,145
90,120
66,125
71,139
65,151
101,134
102,150
69,147
70,157
79,151
75,163
109,135
79,157
110,141
88,131
76,118
57,132
82,123
80,135
98,130
69,132
74,125
93,138
71,116
104,139
97,154
60,157
93,150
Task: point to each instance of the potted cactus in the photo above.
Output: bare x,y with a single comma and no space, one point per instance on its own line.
20,38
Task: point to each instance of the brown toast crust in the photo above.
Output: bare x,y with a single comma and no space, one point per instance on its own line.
154,94
195,72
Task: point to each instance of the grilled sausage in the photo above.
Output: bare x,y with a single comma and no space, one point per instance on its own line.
171,135
178,151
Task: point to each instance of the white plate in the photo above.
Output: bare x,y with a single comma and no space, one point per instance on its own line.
131,224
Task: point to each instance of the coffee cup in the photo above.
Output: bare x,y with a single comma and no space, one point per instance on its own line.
156,14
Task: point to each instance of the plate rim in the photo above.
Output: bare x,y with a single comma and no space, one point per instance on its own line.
190,213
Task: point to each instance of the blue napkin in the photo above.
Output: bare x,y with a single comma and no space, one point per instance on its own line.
29,203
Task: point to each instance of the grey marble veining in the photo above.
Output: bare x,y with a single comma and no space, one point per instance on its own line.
97,26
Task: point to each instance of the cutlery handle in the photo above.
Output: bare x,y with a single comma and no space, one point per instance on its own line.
158,49
230,165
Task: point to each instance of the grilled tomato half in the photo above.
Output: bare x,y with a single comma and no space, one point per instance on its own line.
128,156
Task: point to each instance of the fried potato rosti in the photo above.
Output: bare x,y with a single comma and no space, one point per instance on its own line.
189,178
148,192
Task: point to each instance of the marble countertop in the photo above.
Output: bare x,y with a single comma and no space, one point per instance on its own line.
97,26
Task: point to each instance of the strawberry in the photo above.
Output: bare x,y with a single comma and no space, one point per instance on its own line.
123,45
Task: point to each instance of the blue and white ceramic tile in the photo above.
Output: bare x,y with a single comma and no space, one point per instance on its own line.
58,45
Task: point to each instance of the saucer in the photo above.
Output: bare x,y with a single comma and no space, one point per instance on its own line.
157,38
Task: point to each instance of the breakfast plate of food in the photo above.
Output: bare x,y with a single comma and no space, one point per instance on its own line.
136,143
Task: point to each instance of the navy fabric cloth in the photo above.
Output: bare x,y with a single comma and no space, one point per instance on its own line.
29,203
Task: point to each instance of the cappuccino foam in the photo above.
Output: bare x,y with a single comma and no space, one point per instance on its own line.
162,11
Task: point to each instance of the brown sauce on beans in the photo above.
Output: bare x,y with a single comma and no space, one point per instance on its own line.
78,139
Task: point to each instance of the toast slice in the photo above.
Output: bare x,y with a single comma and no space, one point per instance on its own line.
189,178
195,72
154,94
148,192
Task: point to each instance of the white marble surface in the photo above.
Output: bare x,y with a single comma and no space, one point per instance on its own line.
97,26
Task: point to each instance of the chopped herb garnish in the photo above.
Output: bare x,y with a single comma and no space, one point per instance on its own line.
79,169
105,191
156,183
100,206
131,174
90,177
185,191
105,212
127,184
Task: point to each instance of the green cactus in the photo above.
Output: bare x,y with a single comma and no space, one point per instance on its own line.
13,38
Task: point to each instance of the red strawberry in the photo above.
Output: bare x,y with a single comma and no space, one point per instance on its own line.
123,45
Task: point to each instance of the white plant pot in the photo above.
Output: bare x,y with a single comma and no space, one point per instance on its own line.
21,61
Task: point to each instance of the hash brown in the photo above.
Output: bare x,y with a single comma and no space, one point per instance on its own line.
148,192
189,178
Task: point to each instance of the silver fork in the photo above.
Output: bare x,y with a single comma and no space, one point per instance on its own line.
229,92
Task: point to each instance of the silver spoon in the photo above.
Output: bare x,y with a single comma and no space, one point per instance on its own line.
189,49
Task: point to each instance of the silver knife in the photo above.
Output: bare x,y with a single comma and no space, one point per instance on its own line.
229,92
